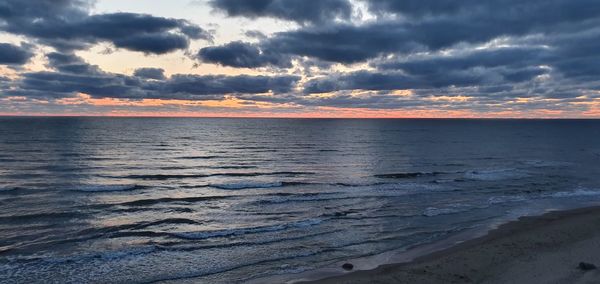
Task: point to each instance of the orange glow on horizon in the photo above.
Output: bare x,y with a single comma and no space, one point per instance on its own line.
326,112
235,107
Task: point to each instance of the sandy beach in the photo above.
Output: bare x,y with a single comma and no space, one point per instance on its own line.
542,249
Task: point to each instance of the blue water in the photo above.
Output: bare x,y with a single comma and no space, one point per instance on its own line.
136,200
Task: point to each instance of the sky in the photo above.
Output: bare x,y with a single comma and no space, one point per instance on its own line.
301,58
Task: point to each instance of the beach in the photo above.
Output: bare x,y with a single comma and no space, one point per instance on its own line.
542,249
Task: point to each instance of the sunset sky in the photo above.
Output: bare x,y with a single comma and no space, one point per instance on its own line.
299,58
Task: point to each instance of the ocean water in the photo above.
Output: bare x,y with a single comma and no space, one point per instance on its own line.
138,200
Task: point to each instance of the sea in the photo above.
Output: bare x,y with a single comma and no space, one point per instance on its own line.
234,200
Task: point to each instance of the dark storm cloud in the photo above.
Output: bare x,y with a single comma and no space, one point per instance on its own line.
540,11
72,75
469,68
576,55
351,44
150,73
14,55
242,55
67,25
420,7
437,45
292,10
434,25
342,43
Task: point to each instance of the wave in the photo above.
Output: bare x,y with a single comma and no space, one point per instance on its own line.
147,202
168,221
493,175
250,185
264,241
232,167
346,184
107,188
407,175
4,189
452,209
411,187
236,186
143,225
252,230
106,255
250,148
209,157
162,177
62,168
505,199
97,158
390,190
41,216
544,164
304,198
190,176
576,193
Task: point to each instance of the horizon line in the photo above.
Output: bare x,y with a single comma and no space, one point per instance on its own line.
292,117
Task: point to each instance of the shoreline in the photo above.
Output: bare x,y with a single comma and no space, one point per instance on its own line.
545,248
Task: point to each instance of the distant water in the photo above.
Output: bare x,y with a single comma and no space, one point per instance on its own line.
124,200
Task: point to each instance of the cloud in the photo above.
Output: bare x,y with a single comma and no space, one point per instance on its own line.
302,12
416,8
445,54
436,46
150,73
153,43
67,25
466,59
70,63
540,11
424,26
72,75
377,80
242,55
14,55
220,84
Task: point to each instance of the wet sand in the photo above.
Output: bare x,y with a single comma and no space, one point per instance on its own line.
542,249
